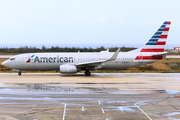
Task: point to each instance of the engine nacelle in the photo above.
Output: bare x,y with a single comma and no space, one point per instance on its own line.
68,69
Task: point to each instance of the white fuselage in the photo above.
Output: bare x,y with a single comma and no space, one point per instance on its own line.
52,61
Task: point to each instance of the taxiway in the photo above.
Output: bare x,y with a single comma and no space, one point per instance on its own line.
126,96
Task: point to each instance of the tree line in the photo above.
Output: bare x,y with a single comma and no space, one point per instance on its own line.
27,49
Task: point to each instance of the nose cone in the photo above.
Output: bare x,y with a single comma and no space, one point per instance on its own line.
5,63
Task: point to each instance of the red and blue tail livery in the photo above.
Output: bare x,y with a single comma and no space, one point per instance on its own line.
158,40
154,49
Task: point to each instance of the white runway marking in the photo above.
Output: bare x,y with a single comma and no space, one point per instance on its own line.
142,111
102,110
99,102
83,108
64,112
120,108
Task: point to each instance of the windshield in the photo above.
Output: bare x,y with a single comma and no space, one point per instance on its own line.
12,59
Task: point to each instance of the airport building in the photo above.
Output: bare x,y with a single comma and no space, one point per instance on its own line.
177,48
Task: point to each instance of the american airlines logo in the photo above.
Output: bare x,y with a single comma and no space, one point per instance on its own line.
53,59
29,60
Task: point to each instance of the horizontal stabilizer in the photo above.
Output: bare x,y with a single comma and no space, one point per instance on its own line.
164,53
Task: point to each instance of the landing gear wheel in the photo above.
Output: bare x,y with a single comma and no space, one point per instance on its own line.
19,73
87,73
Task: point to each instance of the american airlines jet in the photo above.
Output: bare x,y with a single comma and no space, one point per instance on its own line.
151,52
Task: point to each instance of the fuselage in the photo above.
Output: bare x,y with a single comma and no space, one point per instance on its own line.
52,61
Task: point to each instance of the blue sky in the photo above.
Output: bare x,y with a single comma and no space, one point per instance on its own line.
86,22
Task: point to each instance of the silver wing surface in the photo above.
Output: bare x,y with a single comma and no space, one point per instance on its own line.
96,64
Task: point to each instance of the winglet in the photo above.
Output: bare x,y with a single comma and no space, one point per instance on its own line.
114,57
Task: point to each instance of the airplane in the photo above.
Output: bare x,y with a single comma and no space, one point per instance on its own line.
71,62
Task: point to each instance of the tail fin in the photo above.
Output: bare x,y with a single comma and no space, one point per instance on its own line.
158,40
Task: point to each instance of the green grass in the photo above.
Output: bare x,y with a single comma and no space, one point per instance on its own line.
143,70
176,67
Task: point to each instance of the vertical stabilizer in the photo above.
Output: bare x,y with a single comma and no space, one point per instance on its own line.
158,40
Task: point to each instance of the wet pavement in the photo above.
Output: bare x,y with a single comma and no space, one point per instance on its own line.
98,97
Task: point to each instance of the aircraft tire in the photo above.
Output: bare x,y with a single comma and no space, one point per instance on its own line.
87,73
19,73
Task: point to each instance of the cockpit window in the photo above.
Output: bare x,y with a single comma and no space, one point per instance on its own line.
12,58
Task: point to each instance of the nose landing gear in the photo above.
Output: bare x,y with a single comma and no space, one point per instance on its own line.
87,73
19,73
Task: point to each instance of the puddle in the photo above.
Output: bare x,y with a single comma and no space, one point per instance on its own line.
167,115
101,83
122,108
128,108
53,88
65,88
174,92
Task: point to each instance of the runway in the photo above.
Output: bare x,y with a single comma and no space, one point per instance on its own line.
106,96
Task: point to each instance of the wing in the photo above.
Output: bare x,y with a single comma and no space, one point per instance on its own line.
96,64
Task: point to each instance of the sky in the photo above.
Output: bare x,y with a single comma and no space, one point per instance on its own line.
86,23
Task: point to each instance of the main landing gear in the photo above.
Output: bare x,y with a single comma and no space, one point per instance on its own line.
87,73
19,73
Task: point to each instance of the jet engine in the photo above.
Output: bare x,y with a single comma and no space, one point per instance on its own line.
68,69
